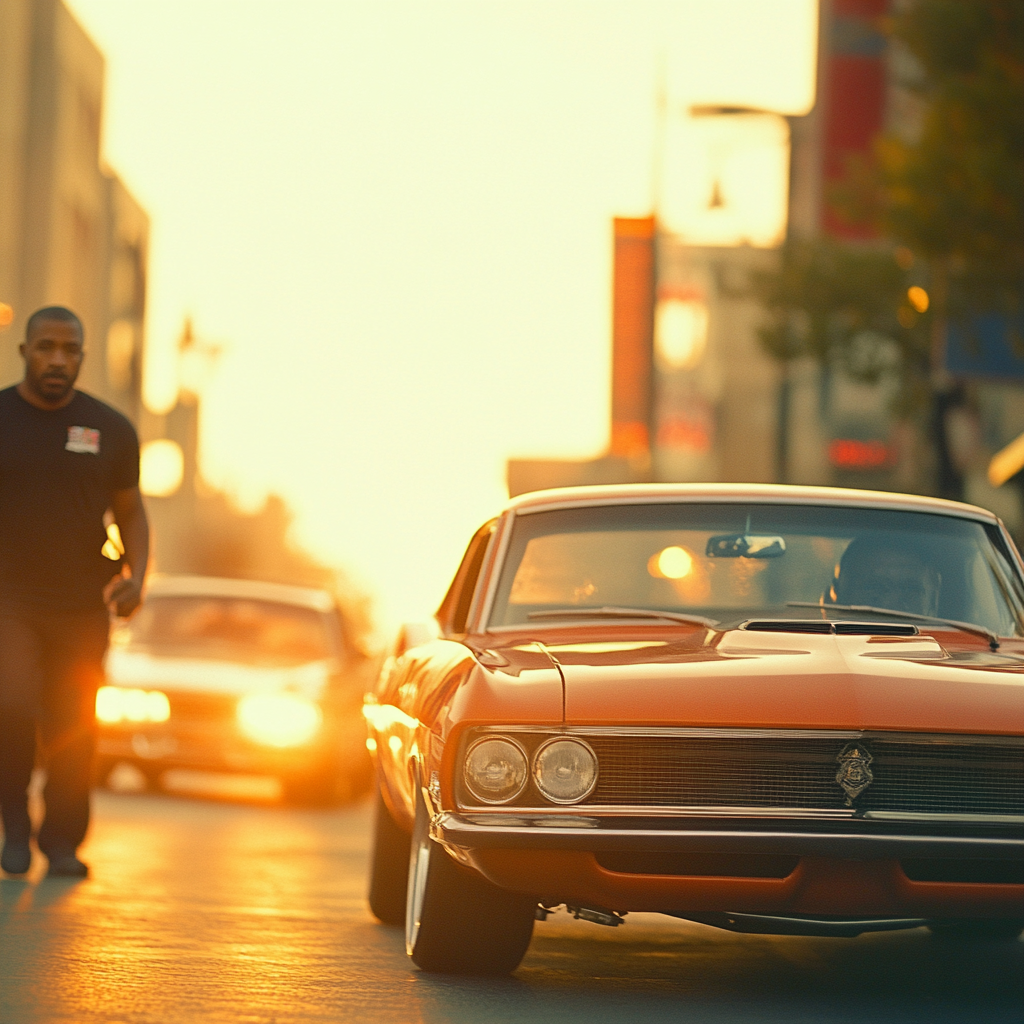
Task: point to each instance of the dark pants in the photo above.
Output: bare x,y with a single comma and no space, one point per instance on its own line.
51,664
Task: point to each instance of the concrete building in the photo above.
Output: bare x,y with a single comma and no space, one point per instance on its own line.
70,232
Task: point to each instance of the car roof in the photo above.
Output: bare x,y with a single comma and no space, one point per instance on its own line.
775,494
159,585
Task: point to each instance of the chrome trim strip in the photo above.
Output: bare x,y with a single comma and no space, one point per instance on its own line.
717,733
646,811
992,819
674,731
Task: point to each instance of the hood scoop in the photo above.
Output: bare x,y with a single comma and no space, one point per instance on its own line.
827,628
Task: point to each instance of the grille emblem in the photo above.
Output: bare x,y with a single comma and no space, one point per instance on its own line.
854,775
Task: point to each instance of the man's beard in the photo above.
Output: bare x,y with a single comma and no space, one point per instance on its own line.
53,388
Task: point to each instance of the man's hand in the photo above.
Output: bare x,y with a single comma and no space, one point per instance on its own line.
122,595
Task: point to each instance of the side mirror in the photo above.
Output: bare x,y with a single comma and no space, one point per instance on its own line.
745,545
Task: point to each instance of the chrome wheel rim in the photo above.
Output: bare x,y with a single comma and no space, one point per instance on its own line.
419,862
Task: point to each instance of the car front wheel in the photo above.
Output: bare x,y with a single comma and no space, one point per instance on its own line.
389,866
457,922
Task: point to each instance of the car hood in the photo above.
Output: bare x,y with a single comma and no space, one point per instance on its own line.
200,675
753,679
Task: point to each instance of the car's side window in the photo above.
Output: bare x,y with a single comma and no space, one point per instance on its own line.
454,610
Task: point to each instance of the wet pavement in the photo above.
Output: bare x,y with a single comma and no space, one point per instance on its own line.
208,910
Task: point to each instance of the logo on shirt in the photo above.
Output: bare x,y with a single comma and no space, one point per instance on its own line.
83,439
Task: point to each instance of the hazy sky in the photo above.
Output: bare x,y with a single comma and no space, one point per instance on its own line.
395,216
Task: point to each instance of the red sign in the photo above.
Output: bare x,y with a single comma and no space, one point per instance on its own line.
846,453
685,434
853,95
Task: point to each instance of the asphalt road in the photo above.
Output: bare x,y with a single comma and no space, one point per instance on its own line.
207,910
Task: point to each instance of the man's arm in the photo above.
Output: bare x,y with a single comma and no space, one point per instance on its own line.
125,592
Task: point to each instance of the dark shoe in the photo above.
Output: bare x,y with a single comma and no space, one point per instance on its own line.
67,865
16,858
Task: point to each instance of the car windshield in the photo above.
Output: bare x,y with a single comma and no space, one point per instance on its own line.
227,629
730,562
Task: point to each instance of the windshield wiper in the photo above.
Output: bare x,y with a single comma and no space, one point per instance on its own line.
967,627
620,613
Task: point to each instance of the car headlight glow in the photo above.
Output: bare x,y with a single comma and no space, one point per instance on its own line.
278,719
495,770
565,771
127,704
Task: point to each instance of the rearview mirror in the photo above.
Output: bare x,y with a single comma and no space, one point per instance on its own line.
745,545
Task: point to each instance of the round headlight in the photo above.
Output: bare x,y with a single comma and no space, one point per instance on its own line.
565,771
495,770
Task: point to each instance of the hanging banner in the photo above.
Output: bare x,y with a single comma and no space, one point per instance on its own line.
632,335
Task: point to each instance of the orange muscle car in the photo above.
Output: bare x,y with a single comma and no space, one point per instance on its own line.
784,710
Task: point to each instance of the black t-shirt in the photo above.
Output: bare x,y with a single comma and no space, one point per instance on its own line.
58,471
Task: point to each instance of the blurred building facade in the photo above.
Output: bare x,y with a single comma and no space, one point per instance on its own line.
70,231
694,394
198,529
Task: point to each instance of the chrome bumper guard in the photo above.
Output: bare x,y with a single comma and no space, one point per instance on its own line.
660,835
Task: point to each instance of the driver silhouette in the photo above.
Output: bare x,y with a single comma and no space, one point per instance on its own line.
887,572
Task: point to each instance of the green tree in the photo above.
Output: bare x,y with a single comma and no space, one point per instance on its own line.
955,194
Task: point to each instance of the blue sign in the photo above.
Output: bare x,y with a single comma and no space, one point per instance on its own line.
989,346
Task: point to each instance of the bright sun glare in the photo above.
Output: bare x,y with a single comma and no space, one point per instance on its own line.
409,267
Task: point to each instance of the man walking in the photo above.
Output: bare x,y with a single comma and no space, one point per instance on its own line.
67,460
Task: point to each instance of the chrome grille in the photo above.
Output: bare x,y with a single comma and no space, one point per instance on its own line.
947,775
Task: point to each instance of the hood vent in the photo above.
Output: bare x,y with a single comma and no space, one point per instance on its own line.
875,629
838,628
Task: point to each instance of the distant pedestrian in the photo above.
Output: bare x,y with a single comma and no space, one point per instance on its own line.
66,461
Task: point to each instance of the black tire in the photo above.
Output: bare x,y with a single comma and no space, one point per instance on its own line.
456,922
389,866
977,930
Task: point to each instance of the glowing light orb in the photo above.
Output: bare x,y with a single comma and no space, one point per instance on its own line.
279,719
673,563
680,332
918,298
161,469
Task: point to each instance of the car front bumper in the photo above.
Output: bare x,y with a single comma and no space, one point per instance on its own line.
660,835
850,869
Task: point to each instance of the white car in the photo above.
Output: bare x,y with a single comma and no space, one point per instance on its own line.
235,676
